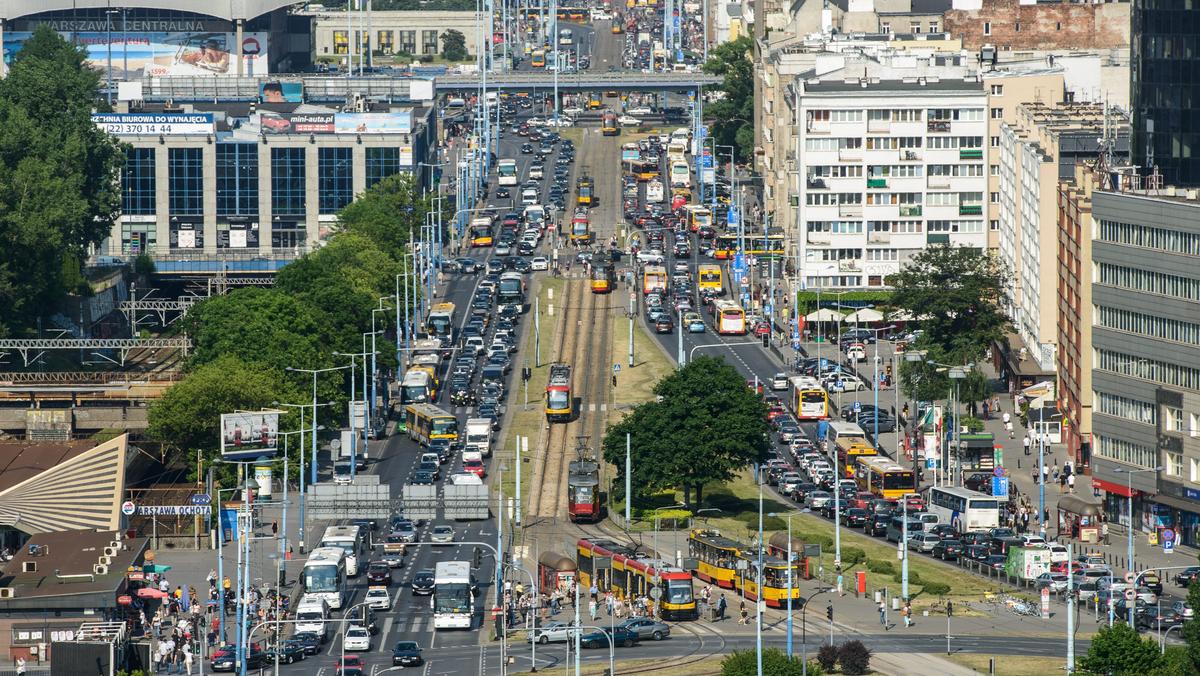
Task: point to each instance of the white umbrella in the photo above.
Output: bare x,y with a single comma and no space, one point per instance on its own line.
823,315
865,315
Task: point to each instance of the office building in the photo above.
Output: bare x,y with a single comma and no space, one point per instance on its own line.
1165,88
415,33
891,158
1146,355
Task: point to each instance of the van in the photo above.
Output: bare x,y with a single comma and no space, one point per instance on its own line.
465,479
492,374
895,529
311,615
529,196
930,520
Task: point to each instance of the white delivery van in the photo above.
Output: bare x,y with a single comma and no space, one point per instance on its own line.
479,436
312,614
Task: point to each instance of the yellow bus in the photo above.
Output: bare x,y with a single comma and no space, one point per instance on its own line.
585,191
643,170
730,318
883,477
848,453
710,279
427,422
654,279
810,401
481,232
697,217
608,124
726,246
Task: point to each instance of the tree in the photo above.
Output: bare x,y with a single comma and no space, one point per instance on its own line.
59,187
1191,628
775,662
733,113
706,426
454,46
960,293
389,213
854,657
1120,651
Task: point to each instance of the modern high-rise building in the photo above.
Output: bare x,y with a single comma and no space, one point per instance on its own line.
1165,88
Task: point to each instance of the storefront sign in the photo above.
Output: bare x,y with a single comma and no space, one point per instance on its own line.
1191,494
173,510
162,124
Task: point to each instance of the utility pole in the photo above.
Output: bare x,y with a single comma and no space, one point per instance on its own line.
628,481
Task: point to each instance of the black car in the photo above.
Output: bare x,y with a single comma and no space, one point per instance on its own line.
855,517
422,478
422,583
1185,577
980,482
944,531
443,448
867,421
379,573
947,550
407,654
975,538
526,148
977,552
432,468
290,651
310,641
878,525
503,193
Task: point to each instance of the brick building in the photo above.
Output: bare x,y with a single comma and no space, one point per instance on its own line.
1028,24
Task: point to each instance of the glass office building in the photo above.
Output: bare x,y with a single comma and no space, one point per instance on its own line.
1165,88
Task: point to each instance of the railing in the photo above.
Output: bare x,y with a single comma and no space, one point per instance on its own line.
850,210
817,183
970,210
937,127
879,237
850,154
910,210
970,154
818,127
877,183
910,156
818,238
879,125
938,181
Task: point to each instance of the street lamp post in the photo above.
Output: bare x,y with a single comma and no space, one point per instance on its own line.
315,428
1129,529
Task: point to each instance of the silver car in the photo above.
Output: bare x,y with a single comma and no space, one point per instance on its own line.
552,632
442,535
647,628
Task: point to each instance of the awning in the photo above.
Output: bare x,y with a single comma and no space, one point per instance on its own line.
1110,487
864,315
1182,504
1081,505
823,315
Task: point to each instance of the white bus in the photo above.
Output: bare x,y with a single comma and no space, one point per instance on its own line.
968,511
680,174
729,317
416,387
840,429
453,595
350,540
324,575
507,171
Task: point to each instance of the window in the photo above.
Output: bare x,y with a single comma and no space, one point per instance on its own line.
885,27
1149,237
987,27
287,181
840,254
386,41
429,42
898,227
836,227
408,42
845,115
381,163
959,227
1193,470
1174,420
836,171
335,172
874,280
993,169
995,141
1146,324
997,113
1125,451
340,42
1146,281
1147,369
883,254
1057,25
994,224
1174,463
914,27
237,179
1124,407
834,198
138,183
994,197
998,90
185,182
1018,27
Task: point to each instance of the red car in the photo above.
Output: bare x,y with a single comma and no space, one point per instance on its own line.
756,387
762,329
474,466
350,664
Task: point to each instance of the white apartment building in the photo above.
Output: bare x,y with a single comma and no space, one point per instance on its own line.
892,158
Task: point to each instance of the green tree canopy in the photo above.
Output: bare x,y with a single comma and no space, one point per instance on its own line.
59,191
706,426
1120,651
733,115
388,214
1191,628
454,45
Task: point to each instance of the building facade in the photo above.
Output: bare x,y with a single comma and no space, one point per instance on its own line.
1030,24
1165,88
416,33
887,165
1146,368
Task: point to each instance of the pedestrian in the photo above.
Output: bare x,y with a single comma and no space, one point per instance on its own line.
745,614
594,592
592,609
883,614
1104,531
722,604
907,612
986,410
1009,426
1071,483
1026,442
275,527
20,666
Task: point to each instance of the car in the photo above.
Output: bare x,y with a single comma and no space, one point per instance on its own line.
356,638
855,517
817,499
1182,609
379,572
779,382
947,549
1152,581
526,148
616,636
467,266
430,466
923,542
1060,554
226,659
442,535
539,263
422,478
551,632
350,665
407,654
1185,577
309,641
628,121
647,628
1033,540
405,529
842,381
977,552
980,482
423,582
378,598
664,324
943,531
995,561
867,421
1055,582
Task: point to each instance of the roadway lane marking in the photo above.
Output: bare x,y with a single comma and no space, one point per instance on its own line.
387,627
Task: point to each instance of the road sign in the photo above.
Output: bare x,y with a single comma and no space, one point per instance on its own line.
1045,602
128,508
999,486
201,499
1168,546
616,368
1167,536
999,471
857,406
656,593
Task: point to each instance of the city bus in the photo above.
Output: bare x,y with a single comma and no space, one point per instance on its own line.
654,279
417,387
810,401
441,320
608,124
883,477
324,575
730,318
350,540
681,175
506,170
481,232
427,423
710,279
839,430
698,217
968,511
643,170
566,38
848,452
453,599
511,289
538,58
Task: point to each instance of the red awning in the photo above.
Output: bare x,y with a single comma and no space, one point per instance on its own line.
1110,487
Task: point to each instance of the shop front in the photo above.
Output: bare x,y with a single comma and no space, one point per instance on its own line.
1182,507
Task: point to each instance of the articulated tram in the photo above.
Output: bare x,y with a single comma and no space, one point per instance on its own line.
628,576
560,400
717,560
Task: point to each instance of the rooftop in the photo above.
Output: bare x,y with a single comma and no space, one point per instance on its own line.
63,570
22,460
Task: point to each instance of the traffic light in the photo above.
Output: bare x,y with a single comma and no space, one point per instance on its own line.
829,612
949,609
477,558
766,340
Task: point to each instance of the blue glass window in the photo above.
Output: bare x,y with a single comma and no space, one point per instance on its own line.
335,169
381,163
186,181
138,183
237,179
287,181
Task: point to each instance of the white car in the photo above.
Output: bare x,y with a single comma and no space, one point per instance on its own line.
442,535
535,122
572,111
378,598
552,632
1058,553
1034,541
628,121
849,383
640,110
562,121
779,381
357,638
539,263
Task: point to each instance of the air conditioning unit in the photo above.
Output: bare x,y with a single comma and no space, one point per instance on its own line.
111,551
106,560
29,566
115,544
7,593
100,569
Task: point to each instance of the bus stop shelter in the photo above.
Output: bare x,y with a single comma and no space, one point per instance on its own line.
1080,517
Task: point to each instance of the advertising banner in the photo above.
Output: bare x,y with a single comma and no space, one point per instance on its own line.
339,123
281,92
139,54
249,434
160,124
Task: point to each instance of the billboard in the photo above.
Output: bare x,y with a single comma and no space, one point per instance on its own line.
281,92
139,54
249,434
162,124
335,123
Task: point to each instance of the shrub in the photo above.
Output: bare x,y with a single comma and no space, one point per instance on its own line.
852,556
825,541
881,567
775,662
827,657
936,588
854,657
913,577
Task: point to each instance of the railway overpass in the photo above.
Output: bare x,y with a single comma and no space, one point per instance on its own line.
63,404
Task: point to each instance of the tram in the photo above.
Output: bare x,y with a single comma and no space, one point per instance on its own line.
718,561
629,576
583,491
604,277
559,397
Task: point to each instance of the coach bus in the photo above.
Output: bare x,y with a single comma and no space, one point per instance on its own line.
324,575
350,540
968,511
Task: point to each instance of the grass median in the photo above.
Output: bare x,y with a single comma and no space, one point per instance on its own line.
1008,665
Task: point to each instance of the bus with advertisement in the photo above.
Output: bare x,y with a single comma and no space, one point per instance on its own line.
708,280
654,279
481,231
698,217
538,58
730,318
810,401
968,511
427,423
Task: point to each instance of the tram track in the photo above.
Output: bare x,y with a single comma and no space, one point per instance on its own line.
703,649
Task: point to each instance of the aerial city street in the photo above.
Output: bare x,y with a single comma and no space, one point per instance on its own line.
660,336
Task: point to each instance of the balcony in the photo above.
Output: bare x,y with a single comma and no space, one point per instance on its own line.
850,154
910,209
818,127
970,210
816,184
970,154
938,127
910,156
879,237
877,183
938,182
818,238
879,125
850,210
849,266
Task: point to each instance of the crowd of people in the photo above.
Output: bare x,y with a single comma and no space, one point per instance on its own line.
521,604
